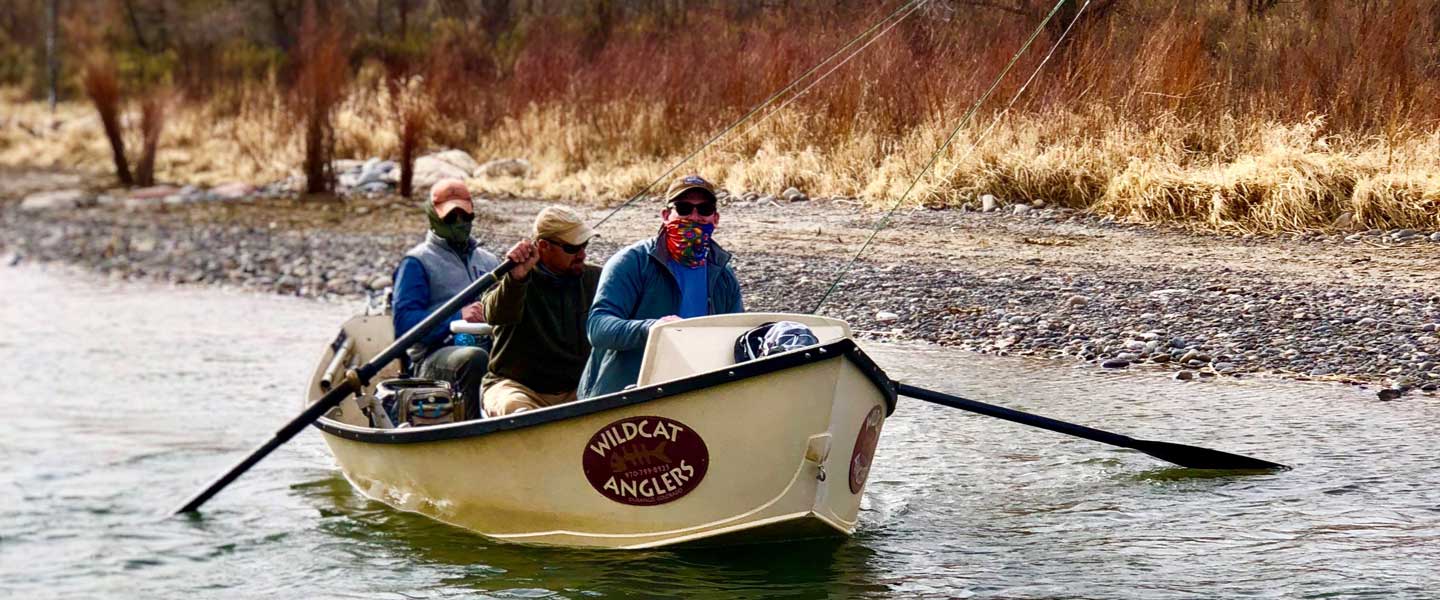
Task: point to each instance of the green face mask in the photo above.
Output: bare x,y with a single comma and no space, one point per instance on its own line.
457,234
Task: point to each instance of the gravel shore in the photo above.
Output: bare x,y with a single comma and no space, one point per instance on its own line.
1361,308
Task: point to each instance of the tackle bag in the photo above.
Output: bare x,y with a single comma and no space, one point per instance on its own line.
420,402
773,338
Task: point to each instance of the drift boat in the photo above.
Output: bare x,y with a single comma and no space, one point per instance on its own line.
701,451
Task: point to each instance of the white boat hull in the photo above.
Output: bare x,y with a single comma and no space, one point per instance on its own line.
753,452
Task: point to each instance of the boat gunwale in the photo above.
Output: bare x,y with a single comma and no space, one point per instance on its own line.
846,348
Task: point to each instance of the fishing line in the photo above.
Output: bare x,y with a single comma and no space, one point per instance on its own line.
1033,74
817,81
969,114
764,103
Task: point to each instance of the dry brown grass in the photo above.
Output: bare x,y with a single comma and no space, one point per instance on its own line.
1268,177
1189,113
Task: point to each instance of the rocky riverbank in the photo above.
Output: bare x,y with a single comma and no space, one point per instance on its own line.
1036,282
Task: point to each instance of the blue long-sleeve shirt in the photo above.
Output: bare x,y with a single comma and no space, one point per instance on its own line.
412,297
636,289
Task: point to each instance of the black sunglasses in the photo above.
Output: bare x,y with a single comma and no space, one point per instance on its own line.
568,248
704,208
458,216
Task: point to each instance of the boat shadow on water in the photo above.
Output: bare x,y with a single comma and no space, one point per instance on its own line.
382,536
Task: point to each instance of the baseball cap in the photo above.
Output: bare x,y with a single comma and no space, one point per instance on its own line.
563,224
449,194
687,183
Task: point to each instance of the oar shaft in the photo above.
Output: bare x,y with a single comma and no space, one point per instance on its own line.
1186,456
295,426
363,374
1000,412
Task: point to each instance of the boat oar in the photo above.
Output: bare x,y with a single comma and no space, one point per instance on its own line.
353,381
1186,456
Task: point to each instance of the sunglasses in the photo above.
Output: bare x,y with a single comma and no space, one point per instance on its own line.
704,208
458,216
568,248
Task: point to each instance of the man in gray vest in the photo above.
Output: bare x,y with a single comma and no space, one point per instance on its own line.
431,273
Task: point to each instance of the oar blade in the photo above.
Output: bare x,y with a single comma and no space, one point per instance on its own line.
1195,457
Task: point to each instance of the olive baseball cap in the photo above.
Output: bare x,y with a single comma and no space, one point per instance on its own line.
687,183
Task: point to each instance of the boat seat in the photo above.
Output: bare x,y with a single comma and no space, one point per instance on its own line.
683,348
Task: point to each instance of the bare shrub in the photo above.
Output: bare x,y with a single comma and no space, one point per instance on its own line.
102,86
152,121
320,78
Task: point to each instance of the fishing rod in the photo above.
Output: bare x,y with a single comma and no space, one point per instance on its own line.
356,379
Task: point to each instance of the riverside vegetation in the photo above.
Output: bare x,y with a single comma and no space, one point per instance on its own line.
1243,116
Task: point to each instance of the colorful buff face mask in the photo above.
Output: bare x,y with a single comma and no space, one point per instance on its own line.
687,241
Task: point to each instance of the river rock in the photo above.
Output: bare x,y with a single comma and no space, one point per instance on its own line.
1115,363
1020,209
1405,234
346,165
793,195
154,192
429,170
458,159
1184,375
375,187
504,167
886,316
1435,237
1388,394
233,190
377,171
59,199
381,282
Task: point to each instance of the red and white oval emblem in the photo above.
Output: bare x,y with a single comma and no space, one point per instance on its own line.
644,461
865,443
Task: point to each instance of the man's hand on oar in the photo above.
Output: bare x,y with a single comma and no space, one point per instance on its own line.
1186,456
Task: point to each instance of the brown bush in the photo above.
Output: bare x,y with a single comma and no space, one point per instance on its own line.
152,121
102,86
322,70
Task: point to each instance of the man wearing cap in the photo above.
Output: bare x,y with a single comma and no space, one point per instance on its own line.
539,310
678,274
432,273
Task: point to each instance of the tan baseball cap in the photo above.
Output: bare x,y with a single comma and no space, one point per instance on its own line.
687,183
562,223
449,194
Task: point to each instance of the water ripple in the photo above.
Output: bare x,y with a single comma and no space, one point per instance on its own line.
958,505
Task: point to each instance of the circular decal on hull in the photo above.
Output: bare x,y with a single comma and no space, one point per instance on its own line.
644,461
865,443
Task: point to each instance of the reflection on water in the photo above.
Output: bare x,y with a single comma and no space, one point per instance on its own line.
122,399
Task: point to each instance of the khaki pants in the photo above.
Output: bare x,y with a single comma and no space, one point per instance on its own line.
507,396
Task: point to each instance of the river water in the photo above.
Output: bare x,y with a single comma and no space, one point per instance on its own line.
121,399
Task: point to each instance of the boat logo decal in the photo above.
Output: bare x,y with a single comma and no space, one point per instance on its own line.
646,460
865,443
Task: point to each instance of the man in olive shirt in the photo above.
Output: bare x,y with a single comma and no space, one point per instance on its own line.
539,312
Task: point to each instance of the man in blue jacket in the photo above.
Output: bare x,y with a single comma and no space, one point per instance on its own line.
431,273
678,274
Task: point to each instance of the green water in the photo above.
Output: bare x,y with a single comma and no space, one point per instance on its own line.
122,399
